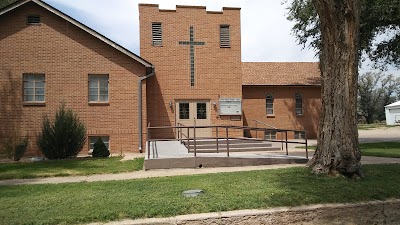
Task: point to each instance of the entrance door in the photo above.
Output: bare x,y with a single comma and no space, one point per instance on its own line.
194,113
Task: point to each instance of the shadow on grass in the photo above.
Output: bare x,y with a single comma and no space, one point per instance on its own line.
74,167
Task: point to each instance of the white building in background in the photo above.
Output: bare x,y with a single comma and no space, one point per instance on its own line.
392,112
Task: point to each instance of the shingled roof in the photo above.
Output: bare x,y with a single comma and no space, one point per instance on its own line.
281,73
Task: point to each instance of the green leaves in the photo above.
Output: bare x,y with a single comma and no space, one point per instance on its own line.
4,3
63,138
14,146
306,28
379,30
375,91
100,149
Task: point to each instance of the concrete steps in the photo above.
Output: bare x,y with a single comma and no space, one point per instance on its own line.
222,141
235,145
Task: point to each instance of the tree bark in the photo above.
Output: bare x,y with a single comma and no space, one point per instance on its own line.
337,149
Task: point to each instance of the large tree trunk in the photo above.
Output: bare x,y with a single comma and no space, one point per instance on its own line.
337,150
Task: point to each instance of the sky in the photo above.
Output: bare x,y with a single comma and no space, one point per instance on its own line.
266,33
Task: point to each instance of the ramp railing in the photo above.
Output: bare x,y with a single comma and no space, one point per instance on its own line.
187,135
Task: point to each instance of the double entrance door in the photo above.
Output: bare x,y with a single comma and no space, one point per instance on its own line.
194,113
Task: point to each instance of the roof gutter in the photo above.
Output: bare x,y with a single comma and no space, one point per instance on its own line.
140,119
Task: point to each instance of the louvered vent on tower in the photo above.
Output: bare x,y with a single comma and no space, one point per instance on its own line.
225,41
156,29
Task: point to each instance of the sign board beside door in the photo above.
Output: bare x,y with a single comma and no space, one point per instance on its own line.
230,106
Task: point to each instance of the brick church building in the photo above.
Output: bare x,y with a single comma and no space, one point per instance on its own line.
189,72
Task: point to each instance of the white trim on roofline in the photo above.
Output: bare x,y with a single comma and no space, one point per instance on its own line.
395,104
80,25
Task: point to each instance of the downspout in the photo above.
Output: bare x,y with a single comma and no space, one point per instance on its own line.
140,119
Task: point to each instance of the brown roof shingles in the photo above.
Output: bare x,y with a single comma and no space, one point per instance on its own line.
281,73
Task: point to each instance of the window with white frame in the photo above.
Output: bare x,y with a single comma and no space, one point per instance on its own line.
269,99
299,104
270,135
93,139
299,135
34,88
98,88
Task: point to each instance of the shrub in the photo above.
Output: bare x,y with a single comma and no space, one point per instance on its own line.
100,150
64,138
15,147
20,149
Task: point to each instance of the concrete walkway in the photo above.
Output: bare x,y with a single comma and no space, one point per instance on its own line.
379,135
140,175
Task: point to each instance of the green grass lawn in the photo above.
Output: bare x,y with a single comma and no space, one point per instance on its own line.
380,149
79,167
372,126
161,197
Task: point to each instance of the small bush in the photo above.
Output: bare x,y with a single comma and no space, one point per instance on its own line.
15,146
100,149
20,149
64,138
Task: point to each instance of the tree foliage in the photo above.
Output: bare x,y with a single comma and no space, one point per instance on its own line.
377,17
100,149
375,91
14,146
63,138
4,3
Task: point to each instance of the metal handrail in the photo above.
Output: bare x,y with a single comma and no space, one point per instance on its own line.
265,124
180,135
258,121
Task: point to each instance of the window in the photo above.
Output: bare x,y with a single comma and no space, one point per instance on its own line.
224,36
184,111
98,88
156,31
93,139
270,135
33,19
270,104
299,104
201,111
299,135
34,87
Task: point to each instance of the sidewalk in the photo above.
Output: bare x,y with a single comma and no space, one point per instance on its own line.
140,175
379,135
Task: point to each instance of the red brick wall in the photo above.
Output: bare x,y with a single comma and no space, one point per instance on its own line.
254,105
66,55
217,70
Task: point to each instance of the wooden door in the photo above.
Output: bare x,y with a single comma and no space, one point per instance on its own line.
194,113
